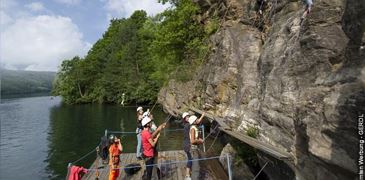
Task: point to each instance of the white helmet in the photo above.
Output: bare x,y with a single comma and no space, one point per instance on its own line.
192,119
139,108
185,114
146,120
145,114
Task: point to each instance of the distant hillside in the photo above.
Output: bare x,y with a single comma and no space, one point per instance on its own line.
25,82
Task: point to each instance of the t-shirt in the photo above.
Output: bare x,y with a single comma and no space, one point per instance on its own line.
139,121
147,147
186,141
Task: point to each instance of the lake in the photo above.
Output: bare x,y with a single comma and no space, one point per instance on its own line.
41,135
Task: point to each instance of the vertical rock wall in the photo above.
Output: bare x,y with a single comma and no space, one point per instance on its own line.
301,86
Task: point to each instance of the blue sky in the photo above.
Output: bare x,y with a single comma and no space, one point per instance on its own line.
38,35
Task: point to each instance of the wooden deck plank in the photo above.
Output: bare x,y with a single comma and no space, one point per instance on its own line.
129,158
267,148
174,171
172,166
123,160
176,155
180,167
161,159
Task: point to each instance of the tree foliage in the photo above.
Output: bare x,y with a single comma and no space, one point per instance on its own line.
136,56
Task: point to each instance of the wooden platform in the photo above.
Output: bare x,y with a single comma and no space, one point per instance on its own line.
267,148
169,171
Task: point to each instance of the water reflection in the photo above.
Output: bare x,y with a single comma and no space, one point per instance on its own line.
76,129
23,139
40,135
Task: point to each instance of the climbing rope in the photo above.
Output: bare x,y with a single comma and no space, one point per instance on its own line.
257,175
216,137
210,133
86,155
167,119
133,132
135,106
153,107
121,132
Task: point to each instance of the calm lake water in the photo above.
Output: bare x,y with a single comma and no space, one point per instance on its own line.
40,135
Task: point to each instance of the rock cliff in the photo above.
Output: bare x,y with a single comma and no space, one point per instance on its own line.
301,85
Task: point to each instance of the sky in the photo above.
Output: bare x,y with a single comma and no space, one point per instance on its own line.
37,35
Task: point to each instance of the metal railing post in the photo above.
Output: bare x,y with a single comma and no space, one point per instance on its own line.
229,167
203,129
106,133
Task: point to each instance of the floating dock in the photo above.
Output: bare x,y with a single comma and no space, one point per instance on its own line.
168,171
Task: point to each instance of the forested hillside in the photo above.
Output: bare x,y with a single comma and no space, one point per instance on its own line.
137,56
25,82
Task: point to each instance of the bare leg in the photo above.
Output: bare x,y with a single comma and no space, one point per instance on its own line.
306,11
188,172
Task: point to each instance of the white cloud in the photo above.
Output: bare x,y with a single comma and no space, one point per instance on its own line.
9,11
40,43
124,8
69,2
5,19
7,4
35,6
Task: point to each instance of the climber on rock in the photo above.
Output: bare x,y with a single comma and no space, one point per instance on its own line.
307,10
260,5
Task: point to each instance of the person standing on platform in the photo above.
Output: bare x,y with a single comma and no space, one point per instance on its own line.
186,143
115,150
138,132
149,141
195,140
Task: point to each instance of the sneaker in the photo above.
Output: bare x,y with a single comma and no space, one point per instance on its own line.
187,178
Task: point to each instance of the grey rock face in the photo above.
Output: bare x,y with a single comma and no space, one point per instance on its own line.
239,169
303,86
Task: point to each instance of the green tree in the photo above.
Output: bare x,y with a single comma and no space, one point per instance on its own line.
179,42
136,56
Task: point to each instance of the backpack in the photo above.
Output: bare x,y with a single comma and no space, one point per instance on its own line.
132,168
